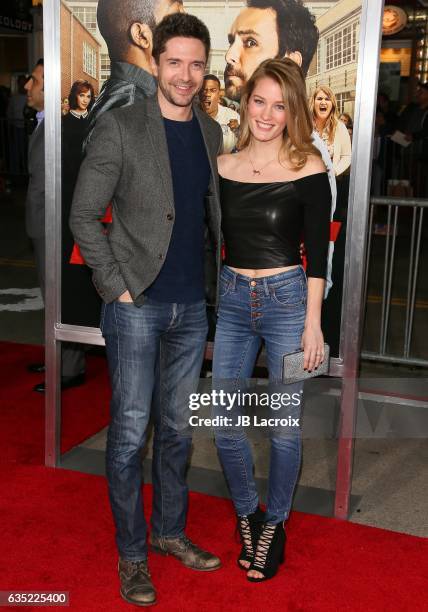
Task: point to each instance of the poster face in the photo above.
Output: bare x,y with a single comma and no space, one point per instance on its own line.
322,36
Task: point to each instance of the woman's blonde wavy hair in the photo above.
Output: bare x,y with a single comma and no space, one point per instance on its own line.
333,118
297,139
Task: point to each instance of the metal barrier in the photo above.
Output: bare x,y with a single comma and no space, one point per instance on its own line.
399,224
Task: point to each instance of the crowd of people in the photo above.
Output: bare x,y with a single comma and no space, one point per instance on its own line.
400,152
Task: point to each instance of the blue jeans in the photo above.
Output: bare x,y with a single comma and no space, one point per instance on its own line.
155,355
270,309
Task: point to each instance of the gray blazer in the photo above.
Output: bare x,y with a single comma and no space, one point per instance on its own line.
127,163
35,201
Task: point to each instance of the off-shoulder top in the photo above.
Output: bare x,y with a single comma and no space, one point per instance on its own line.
264,223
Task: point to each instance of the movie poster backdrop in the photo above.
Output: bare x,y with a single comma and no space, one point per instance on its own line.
322,36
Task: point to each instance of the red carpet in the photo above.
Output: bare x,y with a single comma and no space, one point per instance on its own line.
84,409
57,532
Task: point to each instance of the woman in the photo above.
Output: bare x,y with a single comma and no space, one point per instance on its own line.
74,126
76,278
336,136
272,191
323,106
79,103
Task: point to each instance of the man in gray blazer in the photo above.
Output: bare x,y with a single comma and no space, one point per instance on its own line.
73,357
156,162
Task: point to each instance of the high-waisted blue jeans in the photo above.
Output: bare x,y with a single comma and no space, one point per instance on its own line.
272,310
155,355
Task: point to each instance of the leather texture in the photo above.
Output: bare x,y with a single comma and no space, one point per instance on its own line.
264,223
136,586
186,551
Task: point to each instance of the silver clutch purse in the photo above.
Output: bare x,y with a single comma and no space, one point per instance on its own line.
292,367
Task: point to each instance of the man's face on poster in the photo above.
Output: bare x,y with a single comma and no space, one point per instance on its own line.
253,38
210,96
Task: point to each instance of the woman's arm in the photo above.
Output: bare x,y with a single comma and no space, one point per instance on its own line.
316,197
342,149
312,338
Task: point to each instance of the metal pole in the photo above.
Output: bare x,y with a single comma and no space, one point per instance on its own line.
415,282
52,68
359,196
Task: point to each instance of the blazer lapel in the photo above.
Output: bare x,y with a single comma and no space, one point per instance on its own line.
156,130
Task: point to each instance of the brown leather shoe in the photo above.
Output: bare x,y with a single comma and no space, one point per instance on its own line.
136,586
188,553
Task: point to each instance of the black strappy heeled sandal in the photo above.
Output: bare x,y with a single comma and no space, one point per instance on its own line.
249,528
269,552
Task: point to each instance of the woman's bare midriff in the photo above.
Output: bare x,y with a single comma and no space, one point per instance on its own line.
263,272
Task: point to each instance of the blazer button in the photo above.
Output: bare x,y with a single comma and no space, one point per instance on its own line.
170,217
160,256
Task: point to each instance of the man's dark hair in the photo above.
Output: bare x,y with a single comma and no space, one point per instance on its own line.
179,25
115,18
295,26
212,77
40,62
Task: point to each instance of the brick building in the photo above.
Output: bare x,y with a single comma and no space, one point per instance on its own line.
336,59
80,52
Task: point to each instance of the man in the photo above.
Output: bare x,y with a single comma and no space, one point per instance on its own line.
156,161
73,357
227,118
267,29
127,27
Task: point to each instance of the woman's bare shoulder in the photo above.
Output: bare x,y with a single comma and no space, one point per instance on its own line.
227,163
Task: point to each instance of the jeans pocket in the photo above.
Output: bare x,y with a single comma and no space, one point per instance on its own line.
289,294
225,286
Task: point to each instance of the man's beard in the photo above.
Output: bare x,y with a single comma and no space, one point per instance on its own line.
175,98
232,91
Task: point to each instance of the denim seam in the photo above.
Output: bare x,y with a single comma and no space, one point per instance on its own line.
292,482
241,458
161,423
119,361
244,354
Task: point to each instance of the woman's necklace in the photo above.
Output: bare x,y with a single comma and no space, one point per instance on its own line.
257,172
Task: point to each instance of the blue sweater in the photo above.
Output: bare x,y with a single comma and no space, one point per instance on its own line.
181,278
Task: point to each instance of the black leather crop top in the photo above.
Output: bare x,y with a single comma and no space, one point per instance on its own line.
264,223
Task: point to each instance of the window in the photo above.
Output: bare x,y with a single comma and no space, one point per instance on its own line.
342,47
341,99
87,15
105,67
89,60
